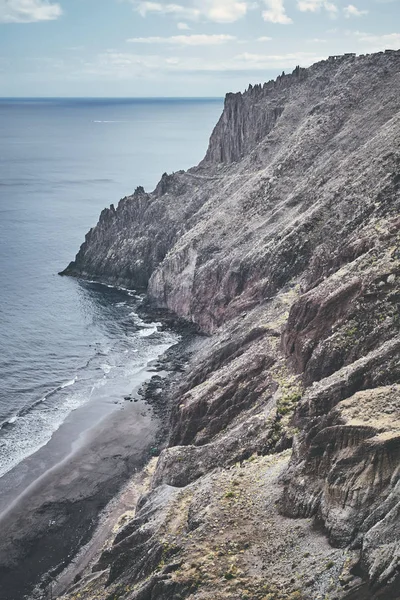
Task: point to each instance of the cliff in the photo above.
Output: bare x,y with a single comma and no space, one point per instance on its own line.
281,475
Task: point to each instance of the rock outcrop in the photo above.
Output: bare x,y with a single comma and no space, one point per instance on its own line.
281,476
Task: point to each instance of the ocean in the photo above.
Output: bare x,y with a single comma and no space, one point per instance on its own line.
66,342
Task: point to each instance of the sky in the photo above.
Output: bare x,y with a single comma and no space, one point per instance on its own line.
143,48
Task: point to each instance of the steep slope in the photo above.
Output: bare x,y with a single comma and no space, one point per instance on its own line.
284,245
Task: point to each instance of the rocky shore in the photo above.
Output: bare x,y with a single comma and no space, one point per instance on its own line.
281,478
53,517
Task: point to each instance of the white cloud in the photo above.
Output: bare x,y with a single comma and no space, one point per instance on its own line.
266,61
223,11
353,11
377,43
264,38
113,65
28,11
219,11
185,40
317,5
275,12
182,26
176,10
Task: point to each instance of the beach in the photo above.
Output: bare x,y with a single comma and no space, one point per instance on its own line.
50,517
56,514
73,350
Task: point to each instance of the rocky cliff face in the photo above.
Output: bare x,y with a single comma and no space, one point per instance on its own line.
284,245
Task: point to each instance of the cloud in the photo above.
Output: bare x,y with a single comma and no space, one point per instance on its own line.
182,26
28,11
223,11
376,43
275,12
185,40
316,6
219,11
176,10
353,11
264,38
267,61
114,65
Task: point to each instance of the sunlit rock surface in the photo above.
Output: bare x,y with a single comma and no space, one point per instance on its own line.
281,476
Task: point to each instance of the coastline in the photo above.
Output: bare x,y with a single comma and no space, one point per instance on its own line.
280,474
46,525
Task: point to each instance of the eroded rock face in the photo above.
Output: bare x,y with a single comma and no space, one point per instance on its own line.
217,538
345,469
283,244
223,236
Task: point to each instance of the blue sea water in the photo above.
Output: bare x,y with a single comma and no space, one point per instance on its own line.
64,342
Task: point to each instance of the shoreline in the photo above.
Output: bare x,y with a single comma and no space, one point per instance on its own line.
47,525
65,441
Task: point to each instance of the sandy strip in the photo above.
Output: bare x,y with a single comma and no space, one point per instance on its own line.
116,514
58,513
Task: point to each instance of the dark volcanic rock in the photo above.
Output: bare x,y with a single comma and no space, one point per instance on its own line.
283,244
215,240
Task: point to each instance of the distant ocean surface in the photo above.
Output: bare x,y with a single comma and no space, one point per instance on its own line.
64,342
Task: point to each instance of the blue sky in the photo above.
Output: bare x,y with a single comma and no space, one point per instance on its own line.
178,47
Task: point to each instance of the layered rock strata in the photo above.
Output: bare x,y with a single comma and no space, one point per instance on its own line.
281,476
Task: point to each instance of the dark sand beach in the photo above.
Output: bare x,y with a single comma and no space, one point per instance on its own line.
56,514
54,498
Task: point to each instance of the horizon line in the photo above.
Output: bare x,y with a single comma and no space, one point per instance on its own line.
111,97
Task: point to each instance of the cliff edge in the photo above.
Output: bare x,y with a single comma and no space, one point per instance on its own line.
281,479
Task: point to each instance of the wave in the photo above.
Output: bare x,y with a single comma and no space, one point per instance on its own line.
28,408
25,433
12,419
145,327
148,332
113,362
29,432
68,383
121,288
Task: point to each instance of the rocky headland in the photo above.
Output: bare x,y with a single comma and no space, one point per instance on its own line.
281,476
